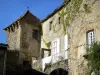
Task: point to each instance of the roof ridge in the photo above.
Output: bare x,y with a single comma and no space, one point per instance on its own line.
20,17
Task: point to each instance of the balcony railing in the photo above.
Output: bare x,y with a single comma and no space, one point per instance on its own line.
46,60
59,56
51,59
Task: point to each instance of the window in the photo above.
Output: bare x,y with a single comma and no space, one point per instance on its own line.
59,19
66,42
50,25
35,34
66,47
45,52
90,37
55,50
54,47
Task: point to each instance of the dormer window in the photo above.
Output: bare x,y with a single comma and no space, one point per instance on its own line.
50,25
35,34
59,20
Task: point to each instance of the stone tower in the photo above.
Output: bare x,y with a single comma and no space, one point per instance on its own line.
24,36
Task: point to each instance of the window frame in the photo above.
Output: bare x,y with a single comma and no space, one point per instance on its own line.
55,50
87,37
37,35
50,25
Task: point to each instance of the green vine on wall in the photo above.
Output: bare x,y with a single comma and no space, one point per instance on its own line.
54,28
70,11
46,43
87,8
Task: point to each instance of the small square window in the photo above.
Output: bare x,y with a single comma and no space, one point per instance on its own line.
59,19
35,34
90,37
50,25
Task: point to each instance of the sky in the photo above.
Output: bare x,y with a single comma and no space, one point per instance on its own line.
10,10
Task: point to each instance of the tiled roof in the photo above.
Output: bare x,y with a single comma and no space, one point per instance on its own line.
28,16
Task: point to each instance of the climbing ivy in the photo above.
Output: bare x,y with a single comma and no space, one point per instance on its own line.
68,14
46,43
70,11
87,8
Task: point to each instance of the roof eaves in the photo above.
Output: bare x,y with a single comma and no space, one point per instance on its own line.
17,19
3,45
55,11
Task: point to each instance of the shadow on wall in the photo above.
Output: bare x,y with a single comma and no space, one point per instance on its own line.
24,70
59,71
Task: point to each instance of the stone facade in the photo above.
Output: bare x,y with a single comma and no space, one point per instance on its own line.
37,65
55,33
52,29
78,29
13,34
29,45
61,64
49,67
77,41
20,36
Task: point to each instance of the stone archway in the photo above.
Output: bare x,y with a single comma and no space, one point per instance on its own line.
59,71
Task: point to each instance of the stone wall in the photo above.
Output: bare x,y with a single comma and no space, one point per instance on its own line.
78,28
82,23
29,45
12,59
13,37
20,38
56,31
37,65
61,64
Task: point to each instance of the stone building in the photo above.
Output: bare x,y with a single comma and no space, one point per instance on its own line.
23,36
3,56
54,44
82,31
57,48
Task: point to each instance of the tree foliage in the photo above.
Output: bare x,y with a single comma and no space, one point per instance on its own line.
94,57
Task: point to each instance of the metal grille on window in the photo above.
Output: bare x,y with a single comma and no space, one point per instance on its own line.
55,50
90,38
